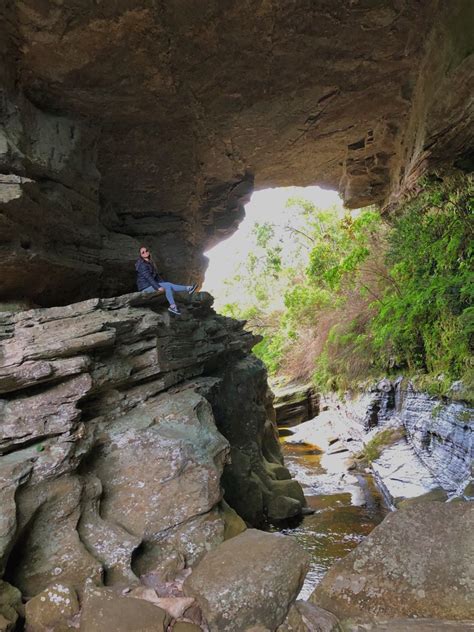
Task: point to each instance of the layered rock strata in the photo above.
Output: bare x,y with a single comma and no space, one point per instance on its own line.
295,403
118,420
144,121
426,443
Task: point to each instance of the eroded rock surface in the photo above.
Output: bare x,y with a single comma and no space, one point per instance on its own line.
131,121
117,424
416,563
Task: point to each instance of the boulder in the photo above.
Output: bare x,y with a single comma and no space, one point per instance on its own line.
103,610
281,508
233,523
306,617
118,422
417,563
255,475
11,606
186,626
52,609
249,580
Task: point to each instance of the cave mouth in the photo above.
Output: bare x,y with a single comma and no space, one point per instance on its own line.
272,206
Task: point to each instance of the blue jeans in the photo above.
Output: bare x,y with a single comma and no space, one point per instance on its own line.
168,288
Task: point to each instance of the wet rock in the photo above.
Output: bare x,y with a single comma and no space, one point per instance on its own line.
248,580
282,508
468,491
438,449
417,563
401,474
250,481
104,610
437,494
52,609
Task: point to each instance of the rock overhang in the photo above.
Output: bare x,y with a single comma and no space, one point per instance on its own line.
144,122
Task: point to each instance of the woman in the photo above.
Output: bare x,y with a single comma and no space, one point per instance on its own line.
148,280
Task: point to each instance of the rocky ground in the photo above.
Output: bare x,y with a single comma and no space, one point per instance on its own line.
137,447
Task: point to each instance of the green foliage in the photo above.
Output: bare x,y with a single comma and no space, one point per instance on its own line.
373,448
367,295
270,351
427,324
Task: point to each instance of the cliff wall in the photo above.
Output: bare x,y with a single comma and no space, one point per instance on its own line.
118,423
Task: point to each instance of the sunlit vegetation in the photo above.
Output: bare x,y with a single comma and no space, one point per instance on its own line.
366,295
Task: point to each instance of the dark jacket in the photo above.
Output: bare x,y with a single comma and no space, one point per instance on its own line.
146,275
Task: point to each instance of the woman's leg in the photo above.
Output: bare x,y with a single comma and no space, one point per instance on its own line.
149,289
180,288
168,288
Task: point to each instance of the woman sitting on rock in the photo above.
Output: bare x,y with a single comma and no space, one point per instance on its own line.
148,280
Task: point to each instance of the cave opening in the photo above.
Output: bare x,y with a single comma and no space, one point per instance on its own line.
276,209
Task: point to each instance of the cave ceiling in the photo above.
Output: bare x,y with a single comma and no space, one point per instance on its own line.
153,121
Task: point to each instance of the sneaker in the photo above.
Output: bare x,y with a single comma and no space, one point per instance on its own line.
174,310
192,289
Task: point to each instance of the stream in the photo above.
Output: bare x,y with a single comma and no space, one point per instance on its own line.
347,505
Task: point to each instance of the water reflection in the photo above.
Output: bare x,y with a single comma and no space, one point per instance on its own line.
347,507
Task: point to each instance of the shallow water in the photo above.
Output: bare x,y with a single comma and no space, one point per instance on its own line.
347,507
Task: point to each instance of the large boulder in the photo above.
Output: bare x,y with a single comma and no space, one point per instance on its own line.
249,580
417,563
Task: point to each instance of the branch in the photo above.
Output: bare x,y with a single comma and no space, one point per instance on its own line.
300,232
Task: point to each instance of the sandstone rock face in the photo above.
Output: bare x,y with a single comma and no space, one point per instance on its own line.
416,563
111,456
438,451
295,403
103,610
247,581
136,121
52,609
